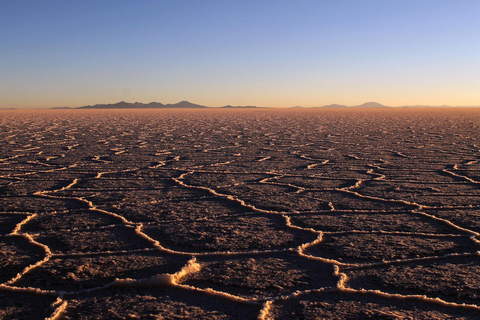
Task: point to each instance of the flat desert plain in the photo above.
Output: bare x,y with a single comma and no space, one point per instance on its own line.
342,213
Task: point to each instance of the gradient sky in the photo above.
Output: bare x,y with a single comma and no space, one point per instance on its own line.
215,52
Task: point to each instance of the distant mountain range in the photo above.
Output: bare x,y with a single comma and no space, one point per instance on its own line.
186,104
139,105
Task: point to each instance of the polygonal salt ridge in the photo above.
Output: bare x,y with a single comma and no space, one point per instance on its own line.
167,302
31,186
71,273
8,222
371,248
466,217
18,304
453,278
151,207
70,220
17,255
376,221
262,276
253,232
115,238
350,304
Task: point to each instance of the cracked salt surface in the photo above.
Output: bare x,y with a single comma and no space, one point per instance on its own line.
240,214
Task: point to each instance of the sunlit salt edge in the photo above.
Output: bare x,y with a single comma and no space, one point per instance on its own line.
352,265
161,248
425,298
43,171
60,307
48,255
342,288
399,233
226,196
459,175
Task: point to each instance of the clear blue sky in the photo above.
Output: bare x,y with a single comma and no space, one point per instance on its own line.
216,52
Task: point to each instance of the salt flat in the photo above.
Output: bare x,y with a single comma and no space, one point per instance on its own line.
240,214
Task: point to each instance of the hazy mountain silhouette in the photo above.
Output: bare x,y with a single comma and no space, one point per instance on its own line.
371,105
186,104
138,105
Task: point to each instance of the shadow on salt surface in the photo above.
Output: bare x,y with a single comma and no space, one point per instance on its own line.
453,279
157,303
371,248
108,239
261,276
338,221
91,271
24,305
238,233
344,305
17,253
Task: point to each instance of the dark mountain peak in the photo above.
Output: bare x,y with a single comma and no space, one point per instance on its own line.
185,104
372,105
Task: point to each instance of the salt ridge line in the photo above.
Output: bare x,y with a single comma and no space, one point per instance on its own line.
401,233
89,205
447,222
354,266
10,288
226,196
344,278
101,253
192,266
300,250
160,247
375,293
43,171
268,305
411,204
60,309
276,177
40,163
460,176
48,253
